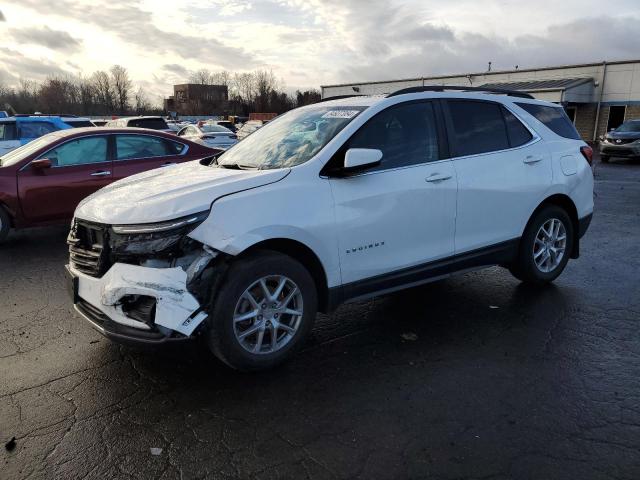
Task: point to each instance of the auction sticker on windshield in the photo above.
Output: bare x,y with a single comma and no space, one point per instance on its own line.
341,114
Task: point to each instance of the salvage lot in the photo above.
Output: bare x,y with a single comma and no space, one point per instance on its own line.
473,377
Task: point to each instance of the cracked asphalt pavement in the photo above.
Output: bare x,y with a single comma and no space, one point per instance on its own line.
472,377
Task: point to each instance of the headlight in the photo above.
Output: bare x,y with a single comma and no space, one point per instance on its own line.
159,239
161,226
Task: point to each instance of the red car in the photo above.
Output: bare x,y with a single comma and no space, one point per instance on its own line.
42,182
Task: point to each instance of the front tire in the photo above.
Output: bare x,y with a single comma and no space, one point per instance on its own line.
263,311
545,247
5,224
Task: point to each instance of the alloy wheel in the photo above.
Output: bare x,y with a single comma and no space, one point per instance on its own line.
550,245
268,314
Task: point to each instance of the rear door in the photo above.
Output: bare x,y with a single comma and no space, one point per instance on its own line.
135,153
79,167
8,137
503,169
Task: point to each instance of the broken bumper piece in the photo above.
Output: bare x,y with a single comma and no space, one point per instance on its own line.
134,304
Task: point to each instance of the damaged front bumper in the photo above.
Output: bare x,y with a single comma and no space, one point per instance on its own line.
136,304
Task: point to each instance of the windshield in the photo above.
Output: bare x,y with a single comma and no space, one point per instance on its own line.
629,127
292,139
214,128
20,153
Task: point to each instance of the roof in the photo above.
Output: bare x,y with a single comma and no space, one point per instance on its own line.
140,117
536,85
69,132
493,72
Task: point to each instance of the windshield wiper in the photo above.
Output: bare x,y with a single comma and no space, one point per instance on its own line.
237,166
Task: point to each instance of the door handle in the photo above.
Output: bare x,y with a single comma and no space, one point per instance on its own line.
529,159
436,177
101,173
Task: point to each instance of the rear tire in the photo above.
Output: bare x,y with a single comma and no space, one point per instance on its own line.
5,224
604,158
545,247
250,330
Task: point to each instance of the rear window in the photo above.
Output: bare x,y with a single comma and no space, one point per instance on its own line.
554,118
79,123
8,131
153,123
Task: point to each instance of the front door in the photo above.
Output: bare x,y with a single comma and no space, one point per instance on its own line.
79,167
400,213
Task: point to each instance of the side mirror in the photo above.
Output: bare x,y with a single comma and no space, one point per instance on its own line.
41,164
611,129
359,158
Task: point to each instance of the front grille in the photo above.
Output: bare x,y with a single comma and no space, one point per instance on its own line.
88,248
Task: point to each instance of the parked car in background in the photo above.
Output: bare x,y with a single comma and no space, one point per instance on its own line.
21,129
210,135
336,201
42,182
248,128
223,123
100,123
154,123
78,122
623,142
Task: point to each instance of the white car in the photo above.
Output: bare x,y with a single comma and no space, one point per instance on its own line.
332,202
210,135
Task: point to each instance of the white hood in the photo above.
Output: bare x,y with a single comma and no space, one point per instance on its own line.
169,192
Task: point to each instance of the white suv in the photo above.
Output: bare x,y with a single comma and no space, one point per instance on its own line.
337,201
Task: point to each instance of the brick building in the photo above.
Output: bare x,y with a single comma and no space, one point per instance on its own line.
596,96
197,99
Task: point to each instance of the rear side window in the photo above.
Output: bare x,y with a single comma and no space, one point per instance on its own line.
175,148
36,129
8,131
406,134
554,118
139,146
478,127
153,123
518,133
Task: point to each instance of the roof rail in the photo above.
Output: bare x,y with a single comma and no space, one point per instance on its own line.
442,88
338,97
68,115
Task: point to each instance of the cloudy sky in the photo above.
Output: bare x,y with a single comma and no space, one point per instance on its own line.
308,43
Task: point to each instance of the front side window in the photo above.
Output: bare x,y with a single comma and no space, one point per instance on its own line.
139,146
554,118
78,152
406,134
36,129
478,127
292,139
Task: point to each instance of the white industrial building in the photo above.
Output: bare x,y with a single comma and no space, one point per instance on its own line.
596,96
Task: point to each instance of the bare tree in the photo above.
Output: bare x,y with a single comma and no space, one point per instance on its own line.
121,86
202,77
142,103
103,90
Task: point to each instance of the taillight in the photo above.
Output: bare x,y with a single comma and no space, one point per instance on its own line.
587,153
